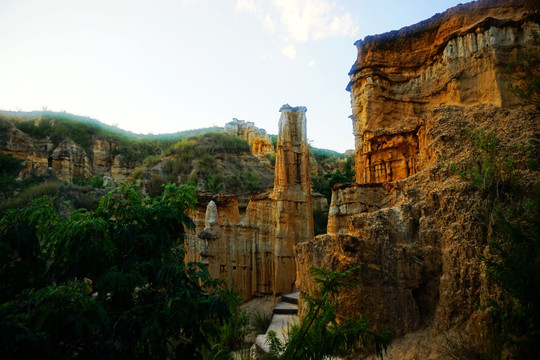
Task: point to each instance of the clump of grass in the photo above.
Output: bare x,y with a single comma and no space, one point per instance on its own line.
50,188
260,321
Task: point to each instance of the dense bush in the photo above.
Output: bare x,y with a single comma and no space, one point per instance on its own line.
319,336
9,168
109,283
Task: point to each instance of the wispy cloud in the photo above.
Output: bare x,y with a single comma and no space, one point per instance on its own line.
246,5
289,52
301,20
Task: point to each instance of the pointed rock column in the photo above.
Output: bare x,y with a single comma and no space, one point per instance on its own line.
210,234
292,194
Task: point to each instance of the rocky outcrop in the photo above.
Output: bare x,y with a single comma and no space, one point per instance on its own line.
258,140
455,58
66,159
254,248
69,160
414,226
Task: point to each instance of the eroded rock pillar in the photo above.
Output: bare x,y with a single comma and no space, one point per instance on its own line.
292,194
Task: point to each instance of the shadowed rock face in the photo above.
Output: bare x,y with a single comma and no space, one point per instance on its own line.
254,247
413,225
455,58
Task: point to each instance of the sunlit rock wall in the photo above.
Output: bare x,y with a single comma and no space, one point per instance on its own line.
414,226
458,57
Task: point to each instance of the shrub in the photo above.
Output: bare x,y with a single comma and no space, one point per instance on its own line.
215,184
319,336
93,182
109,283
261,320
50,188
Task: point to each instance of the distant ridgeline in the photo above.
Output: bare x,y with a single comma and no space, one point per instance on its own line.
41,150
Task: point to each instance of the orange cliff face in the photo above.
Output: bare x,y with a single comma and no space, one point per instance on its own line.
259,142
253,248
413,225
454,58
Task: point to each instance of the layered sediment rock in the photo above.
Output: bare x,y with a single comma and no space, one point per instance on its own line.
455,58
414,226
67,159
258,140
254,249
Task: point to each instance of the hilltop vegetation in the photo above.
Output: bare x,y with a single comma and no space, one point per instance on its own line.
212,159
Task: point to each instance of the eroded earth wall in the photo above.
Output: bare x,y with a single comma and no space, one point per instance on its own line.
415,226
458,57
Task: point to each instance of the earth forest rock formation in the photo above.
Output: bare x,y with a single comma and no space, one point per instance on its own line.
413,224
253,248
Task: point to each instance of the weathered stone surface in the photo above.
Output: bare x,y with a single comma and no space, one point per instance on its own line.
69,160
258,140
455,58
414,226
254,249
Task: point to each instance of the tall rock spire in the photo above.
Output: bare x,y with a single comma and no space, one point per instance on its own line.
292,193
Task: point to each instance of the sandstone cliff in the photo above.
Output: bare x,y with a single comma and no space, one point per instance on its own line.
258,140
455,58
416,227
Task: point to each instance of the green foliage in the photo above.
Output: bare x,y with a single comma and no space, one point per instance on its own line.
319,336
251,181
478,343
261,321
83,131
320,222
9,168
48,187
215,183
491,169
515,265
210,144
324,184
93,182
109,283
272,158
514,246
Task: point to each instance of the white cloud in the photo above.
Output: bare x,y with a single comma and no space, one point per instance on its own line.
269,23
246,5
289,52
311,63
301,20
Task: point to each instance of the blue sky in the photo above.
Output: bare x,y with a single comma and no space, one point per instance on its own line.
165,66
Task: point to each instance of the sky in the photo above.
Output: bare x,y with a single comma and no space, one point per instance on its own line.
162,66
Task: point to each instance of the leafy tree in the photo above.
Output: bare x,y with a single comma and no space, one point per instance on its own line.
319,335
109,283
515,266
